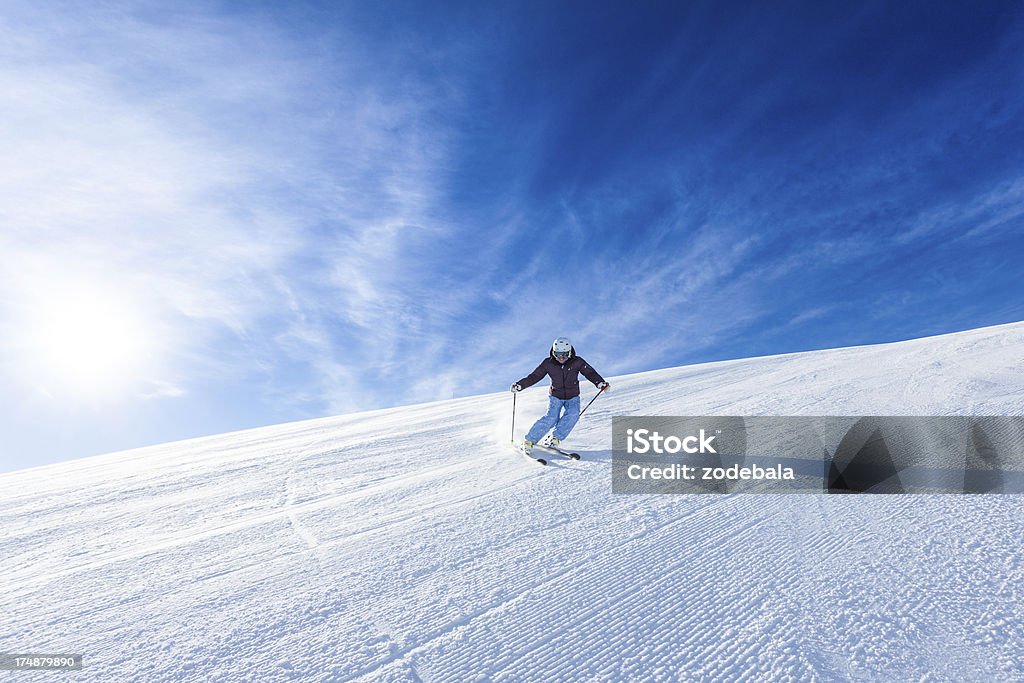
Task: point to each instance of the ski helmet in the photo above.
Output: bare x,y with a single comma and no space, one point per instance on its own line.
561,346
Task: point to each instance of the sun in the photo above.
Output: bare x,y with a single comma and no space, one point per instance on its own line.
86,340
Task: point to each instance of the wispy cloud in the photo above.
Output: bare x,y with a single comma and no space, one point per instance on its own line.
1001,207
265,202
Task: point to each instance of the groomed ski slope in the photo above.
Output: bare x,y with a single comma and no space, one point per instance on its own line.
413,544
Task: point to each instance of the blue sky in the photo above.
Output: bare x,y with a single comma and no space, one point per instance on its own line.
215,216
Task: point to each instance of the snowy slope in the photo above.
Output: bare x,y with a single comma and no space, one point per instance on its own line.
413,545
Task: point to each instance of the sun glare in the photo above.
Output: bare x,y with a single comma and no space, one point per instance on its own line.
87,341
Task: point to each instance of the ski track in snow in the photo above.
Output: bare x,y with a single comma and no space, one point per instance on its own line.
412,544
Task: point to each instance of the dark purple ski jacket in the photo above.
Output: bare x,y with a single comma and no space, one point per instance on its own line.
565,377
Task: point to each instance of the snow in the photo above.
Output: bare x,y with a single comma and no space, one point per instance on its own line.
413,544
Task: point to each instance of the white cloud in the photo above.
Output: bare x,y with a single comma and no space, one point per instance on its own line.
993,208
238,182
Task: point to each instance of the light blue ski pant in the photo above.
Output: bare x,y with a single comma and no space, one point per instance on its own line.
562,415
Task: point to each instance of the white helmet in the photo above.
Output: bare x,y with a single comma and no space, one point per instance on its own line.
561,346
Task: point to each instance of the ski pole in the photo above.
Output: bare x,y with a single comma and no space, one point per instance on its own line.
591,401
513,417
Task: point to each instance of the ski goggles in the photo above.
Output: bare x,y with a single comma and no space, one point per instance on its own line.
561,355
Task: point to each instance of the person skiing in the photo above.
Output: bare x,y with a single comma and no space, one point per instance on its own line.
563,366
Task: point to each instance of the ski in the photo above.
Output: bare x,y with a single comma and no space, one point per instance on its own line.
555,449
539,461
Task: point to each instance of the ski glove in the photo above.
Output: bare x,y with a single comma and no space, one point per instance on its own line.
604,386
515,387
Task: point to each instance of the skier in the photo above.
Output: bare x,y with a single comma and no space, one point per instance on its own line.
563,366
